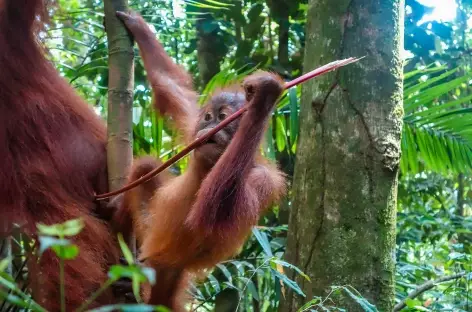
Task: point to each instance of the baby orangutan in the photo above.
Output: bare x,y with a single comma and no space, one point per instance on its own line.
188,223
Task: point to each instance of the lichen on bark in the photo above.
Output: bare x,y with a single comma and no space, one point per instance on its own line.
342,224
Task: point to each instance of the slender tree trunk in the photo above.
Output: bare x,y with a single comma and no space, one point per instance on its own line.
282,54
342,223
120,95
280,12
208,50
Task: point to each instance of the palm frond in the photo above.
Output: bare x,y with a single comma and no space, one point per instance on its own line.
437,132
224,78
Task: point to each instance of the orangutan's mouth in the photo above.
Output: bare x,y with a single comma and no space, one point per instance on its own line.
211,141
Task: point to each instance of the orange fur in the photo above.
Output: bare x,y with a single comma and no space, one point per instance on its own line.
53,152
191,222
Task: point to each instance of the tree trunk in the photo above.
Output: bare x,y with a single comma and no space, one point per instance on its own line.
282,54
280,12
342,224
209,48
120,95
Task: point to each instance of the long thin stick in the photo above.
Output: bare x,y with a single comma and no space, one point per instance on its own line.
199,141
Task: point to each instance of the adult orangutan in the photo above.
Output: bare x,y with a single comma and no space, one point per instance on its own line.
193,221
53,159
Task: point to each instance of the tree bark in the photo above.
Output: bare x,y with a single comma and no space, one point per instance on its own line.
282,53
209,48
280,12
120,95
342,224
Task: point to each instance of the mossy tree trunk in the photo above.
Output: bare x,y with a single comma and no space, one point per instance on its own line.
120,95
342,223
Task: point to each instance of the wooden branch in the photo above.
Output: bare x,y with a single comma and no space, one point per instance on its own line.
426,286
199,141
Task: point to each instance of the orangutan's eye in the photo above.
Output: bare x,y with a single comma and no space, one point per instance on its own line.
207,117
221,116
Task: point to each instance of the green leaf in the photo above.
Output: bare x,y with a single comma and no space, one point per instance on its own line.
9,284
20,302
366,305
239,266
119,271
132,272
225,77
16,293
411,303
219,3
294,148
291,266
309,304
436,133
294,118
7,277
436,111
135,283
249,284
253,290
150,274
287,281
280,136
412,150
73,227
68,228
214,283
421,85
66,252
225,272
50,230
426,97
205,6
263,241
423,71
126,251
46,242
4,263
